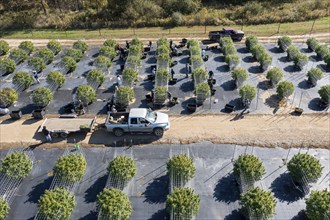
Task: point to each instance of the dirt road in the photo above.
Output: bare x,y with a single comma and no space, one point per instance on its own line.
311,130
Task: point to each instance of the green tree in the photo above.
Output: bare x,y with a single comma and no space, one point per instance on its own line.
4,208
232,60
196,61
71,167
229,49
7,97
300,60
176,19
195,50
250,42
109,52
80,45
130,76
27,46
202,92
181,166
18,55
163,49
284,42
324,93
4,48
275,75
76,54
240,75
46,54
57,203
284,89
16,165
226,41
137,42
37,64
249,166
69,64
22,80
292,51
318,205
265,61
102,62
247,93
183,203
257,50
160,94
163,42
114,204
7,66
124,95
86,94
122,168
54,46
314,75
135,50
199,75
259,203
327,59
312,43
95,76
304,167
162,75
110,43
42,96
163,57
55,78
322,50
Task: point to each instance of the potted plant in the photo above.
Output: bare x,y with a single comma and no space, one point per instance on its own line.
16,165
71,167
76,54
46,54
195,50
55,78
124,95
161,49
275,75
314,75
247,93
95,77
86,94
68,64
251,41
108,52
7,97
162,76
196,61
27,46
324,93
239,75
22,80
54,46
229,49
265,61
136,60
284,89
327,59
300,60
18,55
181,166
160,94
318,205
80,45
226,41
41,97
122,168
312,43
7,66
292,51
284,42
256,50
130,76
202,92
110,43
199,75
233,60
37,64
322,50
4,208
4,47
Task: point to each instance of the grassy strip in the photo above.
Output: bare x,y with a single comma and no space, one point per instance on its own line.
297,28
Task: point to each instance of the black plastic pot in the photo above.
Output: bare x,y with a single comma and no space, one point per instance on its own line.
38,113
16,114
229,108
173,81
191,107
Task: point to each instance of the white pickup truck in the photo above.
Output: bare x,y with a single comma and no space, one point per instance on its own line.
138,120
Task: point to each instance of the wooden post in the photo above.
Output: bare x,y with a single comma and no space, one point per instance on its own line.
279,26
312,26
205,29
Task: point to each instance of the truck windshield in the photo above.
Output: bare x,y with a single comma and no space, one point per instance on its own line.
151,116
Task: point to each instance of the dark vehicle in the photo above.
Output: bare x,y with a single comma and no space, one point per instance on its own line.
226,32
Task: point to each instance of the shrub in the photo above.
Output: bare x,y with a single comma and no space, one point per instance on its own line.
312,43
4,208
122,168
318,205
27,46
284,42
135,50
18,55
114,204
257,50
160,94
80,45
16,165
226,41
183,203
199,75
4,48
195,50
247,93
193,42
202,91
124,95
137,42
324,93
232,60
37,64
265,61
251,41
75,54
292,51
102,62
304,168
130,76
57,203
163,42
42,96
136,60
181,166
110,43
69,64
322,51
71,167
176,19
239,75
196,61
249,166
258,202
163,49
55,78
108,52
54,46
229,49
47,55
275,75
22,80
95,76
314,75
86,94
7,66
7,97
164,57
285,89
300,60
327,59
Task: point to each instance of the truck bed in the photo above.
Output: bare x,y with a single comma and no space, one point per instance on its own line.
66,124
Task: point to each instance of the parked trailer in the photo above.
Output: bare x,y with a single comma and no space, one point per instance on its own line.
64,126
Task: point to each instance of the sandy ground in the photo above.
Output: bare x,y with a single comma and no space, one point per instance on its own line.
312,130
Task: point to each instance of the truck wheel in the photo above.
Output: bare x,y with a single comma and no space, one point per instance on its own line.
64,135
159,132
118,132
54,135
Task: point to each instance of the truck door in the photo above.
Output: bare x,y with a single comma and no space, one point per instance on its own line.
135,126
147,127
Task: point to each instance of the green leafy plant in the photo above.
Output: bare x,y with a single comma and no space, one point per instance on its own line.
4,48
163,42
196,61
18,55
312,43
86,94
163,49
122,168
202,91
136,60
240,75
160,94
275,75
137,42
71,167
16,165
7,97
37,64
193,42
162,75
135,50
4,208
114,204
183,203
327,59
229,49
95,76
258,202
7,66
124,95
324,93
109,52
199,75
22,80
46,54
27,46
110,43
54,46
42,96
251,41
102,62
284,42
265,61
195,50
314,75
304,168
292,51
164,57
55,78
322,50
318,205
80,45
284,89
181,166
256,50
249,166
56,204
130,76
300,60
226,41
76,54
232,60
69,64
247,93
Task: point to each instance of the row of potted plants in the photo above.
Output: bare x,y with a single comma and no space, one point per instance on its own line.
229,51
322,50
259,52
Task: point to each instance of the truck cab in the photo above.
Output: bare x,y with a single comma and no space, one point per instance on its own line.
235,35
